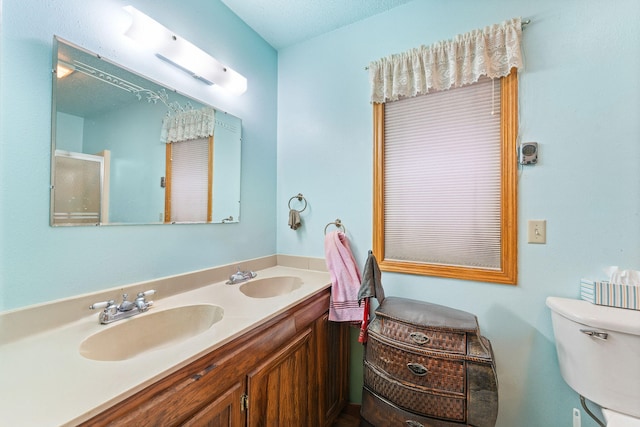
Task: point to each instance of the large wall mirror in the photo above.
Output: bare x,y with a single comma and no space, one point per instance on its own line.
126,150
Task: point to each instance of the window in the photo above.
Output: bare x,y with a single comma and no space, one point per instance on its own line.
189,181
445,201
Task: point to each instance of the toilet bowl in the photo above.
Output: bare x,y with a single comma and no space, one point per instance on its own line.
598,351
616,419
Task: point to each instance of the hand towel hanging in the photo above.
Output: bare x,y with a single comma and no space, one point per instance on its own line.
294,219
371,286
294,215
345,279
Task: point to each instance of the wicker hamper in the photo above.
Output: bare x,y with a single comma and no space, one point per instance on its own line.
427,365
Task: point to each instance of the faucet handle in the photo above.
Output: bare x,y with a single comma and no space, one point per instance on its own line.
146,293
141,301
102,304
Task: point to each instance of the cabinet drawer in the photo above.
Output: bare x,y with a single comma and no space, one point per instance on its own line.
436,373
379,412
421,337
432,404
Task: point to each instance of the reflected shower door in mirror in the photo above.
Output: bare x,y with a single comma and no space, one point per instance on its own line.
163,157
80,181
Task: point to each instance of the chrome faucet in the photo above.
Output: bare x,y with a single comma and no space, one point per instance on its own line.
240,276
113,312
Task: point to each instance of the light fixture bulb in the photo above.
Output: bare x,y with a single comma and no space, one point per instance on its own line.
182,54
63,69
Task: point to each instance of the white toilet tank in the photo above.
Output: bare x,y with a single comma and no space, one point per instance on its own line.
599,352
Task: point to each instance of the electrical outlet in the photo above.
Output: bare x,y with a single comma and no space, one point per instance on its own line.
576,418
537,231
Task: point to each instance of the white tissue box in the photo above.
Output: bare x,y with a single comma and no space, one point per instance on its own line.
602,292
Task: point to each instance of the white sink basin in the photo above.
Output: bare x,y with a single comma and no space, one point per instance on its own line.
127,338
270,286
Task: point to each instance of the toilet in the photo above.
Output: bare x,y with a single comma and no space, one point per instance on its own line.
599,355
616,419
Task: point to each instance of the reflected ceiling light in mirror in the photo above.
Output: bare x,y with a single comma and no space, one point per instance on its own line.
63,69
182,53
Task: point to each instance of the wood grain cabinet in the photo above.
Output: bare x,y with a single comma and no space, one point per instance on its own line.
224,411
427,365
290,371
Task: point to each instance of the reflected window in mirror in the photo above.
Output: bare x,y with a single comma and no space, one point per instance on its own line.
189,179
199,146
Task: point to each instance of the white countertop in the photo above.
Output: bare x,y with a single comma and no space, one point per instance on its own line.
46,382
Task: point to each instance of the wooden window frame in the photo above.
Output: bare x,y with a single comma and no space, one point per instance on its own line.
508,272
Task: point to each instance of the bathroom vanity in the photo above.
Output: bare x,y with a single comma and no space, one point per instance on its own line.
261,358
291,370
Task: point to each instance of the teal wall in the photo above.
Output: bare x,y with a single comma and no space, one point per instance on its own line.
69,134
136,168
39,263
579,99
225,192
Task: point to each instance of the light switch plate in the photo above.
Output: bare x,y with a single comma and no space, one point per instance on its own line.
537,231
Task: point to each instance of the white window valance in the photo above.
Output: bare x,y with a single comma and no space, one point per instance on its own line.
188,125
490,52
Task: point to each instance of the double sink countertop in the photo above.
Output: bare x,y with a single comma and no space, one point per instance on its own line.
45,381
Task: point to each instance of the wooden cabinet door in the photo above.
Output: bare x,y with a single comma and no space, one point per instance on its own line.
225,411
332,341
278,389
171,400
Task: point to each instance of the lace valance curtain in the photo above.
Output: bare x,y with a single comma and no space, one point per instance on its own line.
188,125
491,52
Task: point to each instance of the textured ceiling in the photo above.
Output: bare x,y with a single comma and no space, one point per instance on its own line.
286,22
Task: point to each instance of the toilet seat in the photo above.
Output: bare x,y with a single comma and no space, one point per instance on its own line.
616,419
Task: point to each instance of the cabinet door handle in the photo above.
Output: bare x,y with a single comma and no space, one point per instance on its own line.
417,369
412,423
419,338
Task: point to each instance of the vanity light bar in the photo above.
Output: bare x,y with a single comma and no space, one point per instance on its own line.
183,54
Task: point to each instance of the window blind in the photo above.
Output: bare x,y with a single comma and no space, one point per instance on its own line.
442,177
189,185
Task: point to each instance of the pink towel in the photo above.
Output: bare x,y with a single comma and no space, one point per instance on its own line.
345,279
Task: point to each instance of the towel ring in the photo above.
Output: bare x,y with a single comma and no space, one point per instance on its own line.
338,224
300,198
